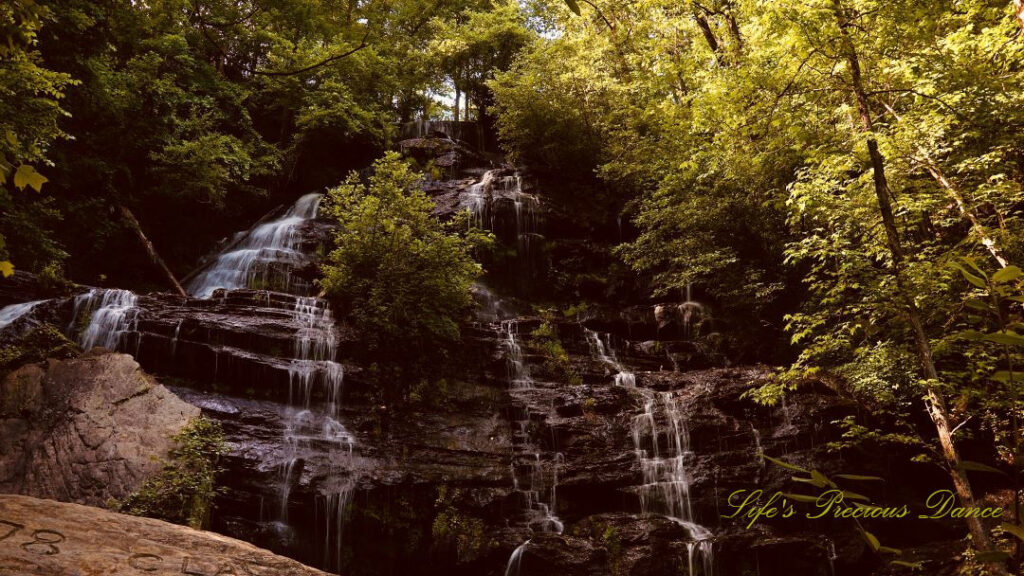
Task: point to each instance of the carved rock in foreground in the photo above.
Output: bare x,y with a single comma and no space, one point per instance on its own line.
47,538
85,430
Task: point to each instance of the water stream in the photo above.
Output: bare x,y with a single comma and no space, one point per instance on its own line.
262,257
113,319
10,314
662,444
606,354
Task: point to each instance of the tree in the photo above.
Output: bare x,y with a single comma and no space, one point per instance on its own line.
29,113
398,273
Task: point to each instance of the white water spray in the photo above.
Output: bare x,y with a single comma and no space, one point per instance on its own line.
662,444
9,314
518,371
252,259
606,354
113,316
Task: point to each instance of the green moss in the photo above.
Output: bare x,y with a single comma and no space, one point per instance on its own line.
183,492
43,342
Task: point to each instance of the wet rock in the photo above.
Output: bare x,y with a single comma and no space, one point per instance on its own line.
86,429
46,538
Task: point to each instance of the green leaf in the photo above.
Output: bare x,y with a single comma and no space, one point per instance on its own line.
821,478
1013,529
871,540
26,175
968,465
801,498
1008,274
992,556
980,283
6,268
573,6
914,565
970,262
786,465
972,335
1003,376
1005,337
860,478
855,496
976,304
893,551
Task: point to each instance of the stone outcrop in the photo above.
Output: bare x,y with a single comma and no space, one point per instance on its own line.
47,538
86,429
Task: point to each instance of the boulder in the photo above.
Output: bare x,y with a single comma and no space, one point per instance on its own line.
47,538
86,429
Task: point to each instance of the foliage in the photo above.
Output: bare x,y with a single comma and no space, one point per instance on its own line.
761,146
29,114
545,340
844,503
464,533
201,116
40,343
399,274
184,491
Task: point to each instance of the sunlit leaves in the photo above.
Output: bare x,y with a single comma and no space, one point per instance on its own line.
26,175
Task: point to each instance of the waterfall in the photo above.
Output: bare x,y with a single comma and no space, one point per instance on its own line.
113,316
516,560
518,371
479,197
314,365
9,314
330,515
256,259
478,202
606,354
666,486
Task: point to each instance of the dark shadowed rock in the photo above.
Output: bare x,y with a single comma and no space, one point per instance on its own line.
86,429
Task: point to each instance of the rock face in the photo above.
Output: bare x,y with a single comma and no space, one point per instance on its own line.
47,538
86,429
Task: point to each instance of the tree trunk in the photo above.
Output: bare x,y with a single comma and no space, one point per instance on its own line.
129,218
979,228
954,192
935,403
458,96
709,35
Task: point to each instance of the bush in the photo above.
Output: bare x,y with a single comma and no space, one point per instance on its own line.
183,492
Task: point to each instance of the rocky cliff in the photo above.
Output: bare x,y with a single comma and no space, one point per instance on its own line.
85,430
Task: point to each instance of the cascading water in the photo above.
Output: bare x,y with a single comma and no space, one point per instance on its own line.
113,318
478,202
9,314
518,371
515,562
261,257
480,196
666,486
314,365
606,354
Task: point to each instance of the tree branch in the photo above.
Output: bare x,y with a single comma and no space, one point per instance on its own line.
324,62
